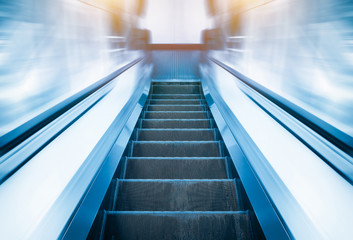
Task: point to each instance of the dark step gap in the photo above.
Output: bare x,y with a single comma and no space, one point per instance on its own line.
180,123
175,135
176,195
176,115
178,225
176,168
175,149
156,107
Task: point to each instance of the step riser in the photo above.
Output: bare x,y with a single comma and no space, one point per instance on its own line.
176,124
175,169
175,115
196,226
176,89
183,149
175,108
176,135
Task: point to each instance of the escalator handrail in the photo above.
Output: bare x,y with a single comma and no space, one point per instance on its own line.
17,135
329,132
256,173
20,144
57,182
330,144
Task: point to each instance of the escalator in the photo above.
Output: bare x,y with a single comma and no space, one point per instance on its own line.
176,179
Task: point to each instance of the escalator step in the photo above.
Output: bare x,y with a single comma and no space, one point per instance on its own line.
177,101
173,181
176,195
176,168
175,135
176,96
178,225
176,114
180,123
176,83
176,89
176,149
175,108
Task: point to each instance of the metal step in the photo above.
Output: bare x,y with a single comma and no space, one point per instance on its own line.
176,149
176,101
180,123
176,96
176,89
176,83
176,195
175,135
175,168
175,176
176,115
177,225
156,107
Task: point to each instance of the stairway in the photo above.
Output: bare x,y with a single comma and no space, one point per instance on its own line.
176,180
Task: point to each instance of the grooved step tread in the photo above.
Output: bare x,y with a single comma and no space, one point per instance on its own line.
176,101
190,107
176,96
176,195
176,83
175,135
172,123
175,177
175,114
176,89
178,225
176,168
176,149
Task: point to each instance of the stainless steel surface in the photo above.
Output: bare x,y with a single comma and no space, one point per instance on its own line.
110,156
16,157
40,198
335,157
312,199
175,64
235,138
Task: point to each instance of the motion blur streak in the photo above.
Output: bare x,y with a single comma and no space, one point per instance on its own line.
50,50
301,50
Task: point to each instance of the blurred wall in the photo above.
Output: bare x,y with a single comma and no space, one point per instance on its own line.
302,50
51,49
